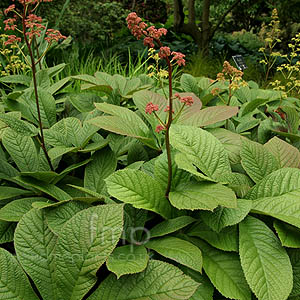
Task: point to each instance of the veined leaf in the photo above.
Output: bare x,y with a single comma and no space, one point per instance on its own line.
22,79
85,242
159,281
169,226
102,165
7,192
201,148
222,217
225,271
202,195
14,282
286,154
139,189
129,259
35,244
22,150
7,230
257,161
179,250
189,84
289,235
294,255
262,257
14,210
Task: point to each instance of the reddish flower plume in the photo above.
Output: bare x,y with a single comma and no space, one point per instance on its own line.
10,8
150,107
54,35
179,57
159,128
164,52
12,39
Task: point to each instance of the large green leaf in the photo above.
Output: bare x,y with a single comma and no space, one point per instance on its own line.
169,226
129,259
209,116
289,235
286,154
294,255
102,165
14,283
8,192
201,148
139,189
257,161
85,242
226,239
222,217
202,195
263,259
126,87
35,244
160,281
7,230
189,84
225,271
179,250
22,150
14,210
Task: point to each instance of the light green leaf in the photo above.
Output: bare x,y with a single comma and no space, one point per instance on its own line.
189,84
202,195
85,242
103,164
22,150
59,85
239,183
286,154
14,210
179,250
224,271
263,259
222,217
160,281
294,255
257,161
209,116
139,189
7,192
59,151
22,79
202,149
129,259
126,87
84,102
226,239
57,216
7,230
14,282
169,226
289,236
35,244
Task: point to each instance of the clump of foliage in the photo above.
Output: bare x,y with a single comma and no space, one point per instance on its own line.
157,188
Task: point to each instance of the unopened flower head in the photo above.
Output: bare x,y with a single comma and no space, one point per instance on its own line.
179,58
159,128
150,107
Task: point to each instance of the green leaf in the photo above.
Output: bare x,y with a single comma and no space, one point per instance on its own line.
257,161
202,148
22,150
7,230
202,195
47,188
209,116
159,281
289,235
14,282
137,152
226,239
84,102
19,126
59,85
286,154
85,242
225,271
7,192
57,216
22,79
57,152
262,259
126,87
294,255
103,164
239,183
189,84
170,226
205,290
129,259
14,210
139,189
35,244
178,250
222,217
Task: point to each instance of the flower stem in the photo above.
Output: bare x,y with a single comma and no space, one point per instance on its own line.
33,68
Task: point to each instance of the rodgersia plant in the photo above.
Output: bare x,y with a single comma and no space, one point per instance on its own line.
152,38
29,26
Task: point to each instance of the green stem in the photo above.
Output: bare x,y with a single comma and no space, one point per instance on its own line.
33,68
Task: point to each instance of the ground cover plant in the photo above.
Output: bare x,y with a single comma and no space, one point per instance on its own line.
153,186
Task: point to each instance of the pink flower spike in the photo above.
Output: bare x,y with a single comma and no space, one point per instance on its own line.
10,8
187,100
148,41
179,57
150,107
164,52
159,128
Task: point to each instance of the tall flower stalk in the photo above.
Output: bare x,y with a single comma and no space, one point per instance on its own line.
152,39
31,28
